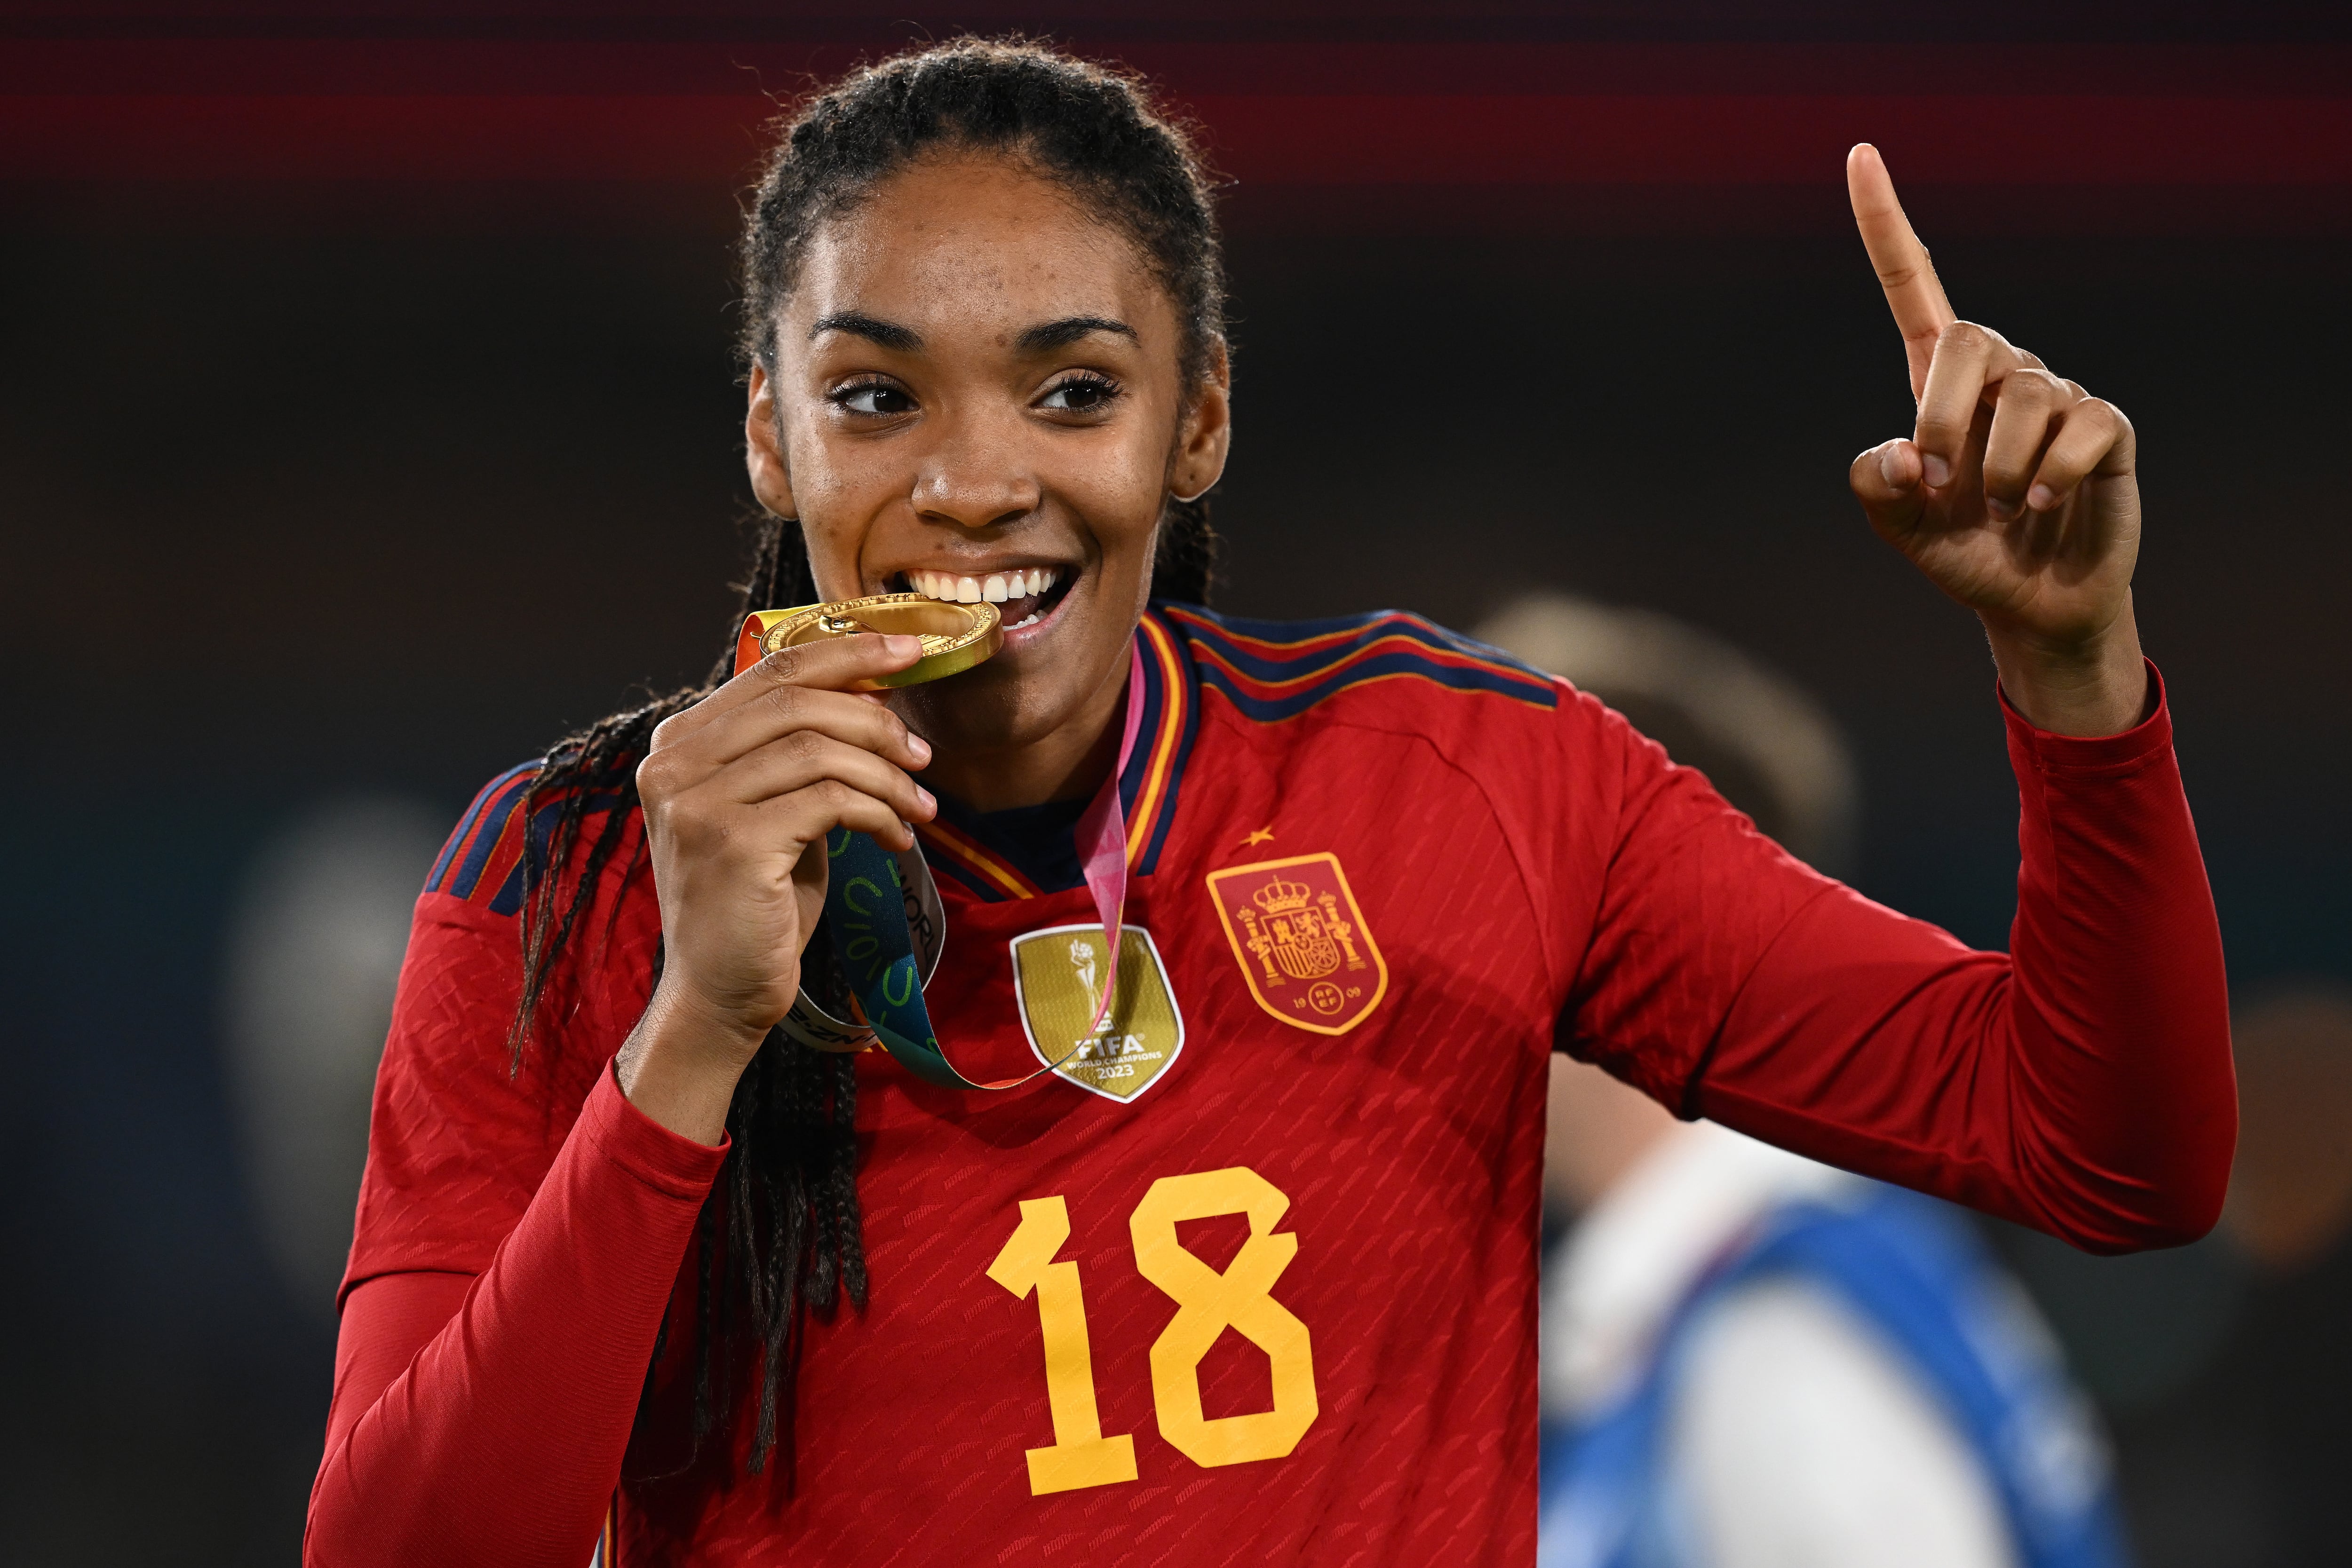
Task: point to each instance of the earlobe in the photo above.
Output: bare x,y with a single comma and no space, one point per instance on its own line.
763,457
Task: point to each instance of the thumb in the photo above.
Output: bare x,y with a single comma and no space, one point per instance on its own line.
1886,480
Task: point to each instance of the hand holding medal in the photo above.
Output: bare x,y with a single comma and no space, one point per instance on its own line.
736,791
884,926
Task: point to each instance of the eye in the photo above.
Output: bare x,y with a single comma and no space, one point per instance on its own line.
872,399
1080,395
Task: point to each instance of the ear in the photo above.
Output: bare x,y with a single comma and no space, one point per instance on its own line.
1207,433
771,479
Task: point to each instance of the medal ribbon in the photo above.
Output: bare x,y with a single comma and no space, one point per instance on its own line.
865,908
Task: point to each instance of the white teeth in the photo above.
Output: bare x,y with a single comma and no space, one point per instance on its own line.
1029,620
997,588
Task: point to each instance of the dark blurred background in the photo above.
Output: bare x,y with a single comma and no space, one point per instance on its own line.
366,420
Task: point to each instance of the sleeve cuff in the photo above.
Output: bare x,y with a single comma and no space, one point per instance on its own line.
2052,753
670,1163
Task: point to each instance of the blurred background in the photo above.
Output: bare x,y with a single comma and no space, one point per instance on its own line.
366,420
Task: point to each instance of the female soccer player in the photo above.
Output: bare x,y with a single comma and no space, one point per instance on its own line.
1251,1276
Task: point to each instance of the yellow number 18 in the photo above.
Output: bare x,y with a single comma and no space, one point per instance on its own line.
1207,1303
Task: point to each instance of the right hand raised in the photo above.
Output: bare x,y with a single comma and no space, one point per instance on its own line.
739,791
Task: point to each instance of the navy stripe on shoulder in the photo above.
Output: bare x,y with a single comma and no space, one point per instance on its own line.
482,824
484,861
508,899
1273,670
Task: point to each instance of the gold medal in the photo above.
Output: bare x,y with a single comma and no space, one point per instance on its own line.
955,636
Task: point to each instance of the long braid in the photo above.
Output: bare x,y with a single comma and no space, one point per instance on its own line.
780,1236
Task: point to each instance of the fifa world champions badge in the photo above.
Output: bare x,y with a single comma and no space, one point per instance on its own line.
1058,980
1301,939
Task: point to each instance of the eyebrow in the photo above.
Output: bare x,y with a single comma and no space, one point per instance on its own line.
881,333
1050,335
1042,339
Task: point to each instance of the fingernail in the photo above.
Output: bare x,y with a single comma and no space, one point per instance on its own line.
931,802
903,645
1936,471
2005,510
2041,497
1891,468
920,747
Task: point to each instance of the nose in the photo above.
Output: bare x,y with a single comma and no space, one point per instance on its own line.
974,478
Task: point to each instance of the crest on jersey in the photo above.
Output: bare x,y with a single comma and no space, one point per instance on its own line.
1058,977
1303,947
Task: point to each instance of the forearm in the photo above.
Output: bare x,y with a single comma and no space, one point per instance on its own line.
2082,1085
501,1440
2124,1089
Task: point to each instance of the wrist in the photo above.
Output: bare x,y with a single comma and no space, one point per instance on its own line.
2088,686
681,1063
686,1019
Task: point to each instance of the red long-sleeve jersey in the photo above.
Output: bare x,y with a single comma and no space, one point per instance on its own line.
1252,1279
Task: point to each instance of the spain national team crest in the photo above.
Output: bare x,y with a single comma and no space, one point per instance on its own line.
1058,980
1303,947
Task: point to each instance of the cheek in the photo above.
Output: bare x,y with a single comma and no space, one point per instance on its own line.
832,475
1118,488
838,491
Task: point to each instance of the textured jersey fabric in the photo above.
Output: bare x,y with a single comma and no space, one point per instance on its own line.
1385,872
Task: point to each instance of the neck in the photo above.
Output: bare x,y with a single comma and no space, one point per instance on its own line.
1067,763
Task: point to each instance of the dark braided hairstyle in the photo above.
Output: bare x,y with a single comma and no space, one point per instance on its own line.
781,1234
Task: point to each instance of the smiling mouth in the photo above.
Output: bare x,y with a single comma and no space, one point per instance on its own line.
1024,595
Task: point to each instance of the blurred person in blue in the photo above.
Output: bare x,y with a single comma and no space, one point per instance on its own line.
1751,1360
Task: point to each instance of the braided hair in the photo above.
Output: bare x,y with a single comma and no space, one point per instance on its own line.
779,1235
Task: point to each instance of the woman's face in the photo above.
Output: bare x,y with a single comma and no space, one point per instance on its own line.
976,395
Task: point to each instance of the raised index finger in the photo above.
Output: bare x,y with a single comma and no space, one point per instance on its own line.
1913,291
